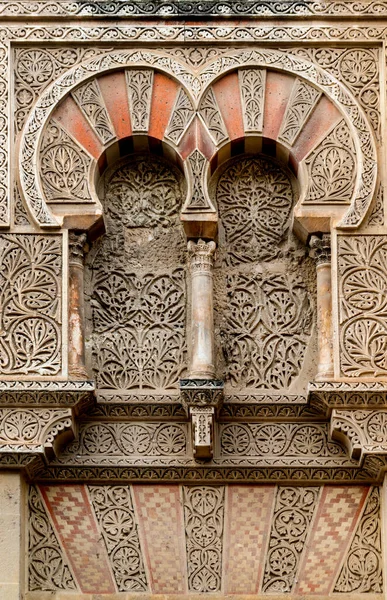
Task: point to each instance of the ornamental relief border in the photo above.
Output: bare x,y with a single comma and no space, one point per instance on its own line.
197,84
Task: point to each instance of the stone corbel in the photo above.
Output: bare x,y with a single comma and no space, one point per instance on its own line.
198,216
321,252
76,353
362,432
201,392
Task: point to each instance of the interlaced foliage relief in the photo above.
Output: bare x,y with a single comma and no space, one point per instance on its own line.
137,279
263,281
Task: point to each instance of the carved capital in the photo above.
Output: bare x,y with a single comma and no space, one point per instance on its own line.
202,430
321,249
201,392
77,251
361,431
201,256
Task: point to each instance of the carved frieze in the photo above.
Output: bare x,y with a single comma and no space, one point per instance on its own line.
362,431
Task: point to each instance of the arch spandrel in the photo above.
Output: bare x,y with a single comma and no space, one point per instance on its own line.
197,94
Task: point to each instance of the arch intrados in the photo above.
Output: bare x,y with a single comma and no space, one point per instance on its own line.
266,58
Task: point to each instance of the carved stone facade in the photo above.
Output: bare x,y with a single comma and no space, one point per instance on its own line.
193,340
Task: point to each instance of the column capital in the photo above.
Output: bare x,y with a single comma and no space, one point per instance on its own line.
201,256
77,242
321,248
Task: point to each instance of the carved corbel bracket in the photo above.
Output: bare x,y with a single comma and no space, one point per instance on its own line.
34,431
362,432
202,399
198,216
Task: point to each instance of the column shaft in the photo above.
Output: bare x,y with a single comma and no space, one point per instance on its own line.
77,368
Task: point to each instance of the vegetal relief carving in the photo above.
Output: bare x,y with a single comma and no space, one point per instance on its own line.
362,305
331,168
139,84
47,566
209,110
376,218
64,167
293,512
302,101
252,88
91,103
203,522
362,568
357,68
114,510
180,118
264,309
137,280
35,68
30,304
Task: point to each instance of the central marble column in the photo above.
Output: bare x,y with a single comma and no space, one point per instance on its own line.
202,364
77,368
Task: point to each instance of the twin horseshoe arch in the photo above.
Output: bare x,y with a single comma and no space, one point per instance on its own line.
200,93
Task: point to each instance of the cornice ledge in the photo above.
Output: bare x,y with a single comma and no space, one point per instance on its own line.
325,396
362,432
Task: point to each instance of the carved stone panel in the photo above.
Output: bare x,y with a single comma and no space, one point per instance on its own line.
30,305
362,275
137,280
264,284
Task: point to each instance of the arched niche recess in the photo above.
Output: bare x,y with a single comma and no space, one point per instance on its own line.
285,101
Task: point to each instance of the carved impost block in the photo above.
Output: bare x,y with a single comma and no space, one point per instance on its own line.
202,430
362,432
321,249
199,216
326,395
201,392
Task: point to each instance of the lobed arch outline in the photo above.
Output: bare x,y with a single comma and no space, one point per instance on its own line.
196,84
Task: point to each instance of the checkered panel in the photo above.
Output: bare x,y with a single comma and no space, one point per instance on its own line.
161,525
247,529
336,519
74,521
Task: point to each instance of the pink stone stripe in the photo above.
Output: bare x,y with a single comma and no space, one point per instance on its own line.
247,529
336,518
161,527
75,524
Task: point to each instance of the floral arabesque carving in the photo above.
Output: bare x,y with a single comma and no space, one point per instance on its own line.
252,88
113,507
268,326
277,439
47,566
30,303
203,522
293,511
362,305
4,124
254,198
91,103
331,168
181,116
302,101
366,163
212,117
129,439
362,571
35,68
65,167
139,84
